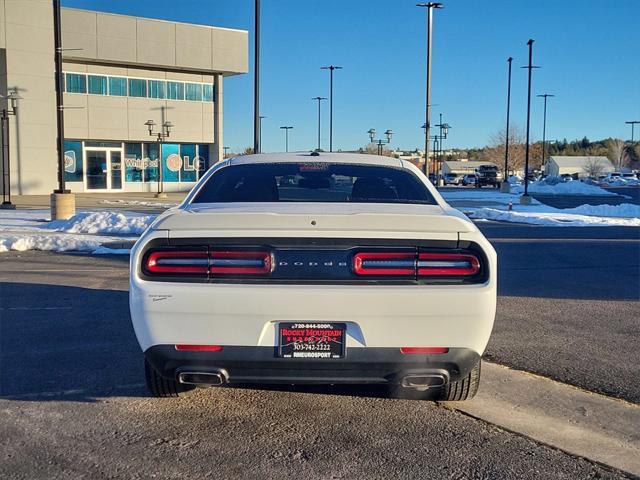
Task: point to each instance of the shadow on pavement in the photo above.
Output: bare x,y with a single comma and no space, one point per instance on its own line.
61,343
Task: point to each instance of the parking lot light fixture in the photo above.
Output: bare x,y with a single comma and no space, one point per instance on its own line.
319,100
286,137
429,6
525,196
164,133
12,98
632,123
380,142
544,125
331,68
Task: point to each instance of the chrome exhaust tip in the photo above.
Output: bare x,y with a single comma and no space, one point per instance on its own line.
203,378
423,382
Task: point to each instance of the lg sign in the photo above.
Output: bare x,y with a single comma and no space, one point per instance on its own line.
175,163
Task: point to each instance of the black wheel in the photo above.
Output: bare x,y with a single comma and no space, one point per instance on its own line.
464,389
160,386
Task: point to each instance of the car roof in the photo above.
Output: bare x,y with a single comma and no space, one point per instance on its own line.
322,157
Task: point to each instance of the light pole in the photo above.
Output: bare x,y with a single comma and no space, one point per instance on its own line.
256,81
164,132
525,198
429,6
380,142
262,117
319,100
225,151
506,187
286,137
544,126
632,123
331,68
444,132
13,98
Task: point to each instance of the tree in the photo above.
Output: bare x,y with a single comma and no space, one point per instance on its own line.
517,150
615,148
593,167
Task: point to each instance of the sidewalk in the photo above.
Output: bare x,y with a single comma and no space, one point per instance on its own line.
143,202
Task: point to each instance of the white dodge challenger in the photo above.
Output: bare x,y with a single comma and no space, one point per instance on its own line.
313,268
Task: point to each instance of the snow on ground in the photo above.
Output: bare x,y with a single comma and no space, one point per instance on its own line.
86,231
568,188
140,203
556,218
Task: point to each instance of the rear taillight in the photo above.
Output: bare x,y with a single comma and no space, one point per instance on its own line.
447,264
240,263
384,263
202,262
417,264
188,262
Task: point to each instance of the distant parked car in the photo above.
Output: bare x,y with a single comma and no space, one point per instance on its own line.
469,179
452,179
566,177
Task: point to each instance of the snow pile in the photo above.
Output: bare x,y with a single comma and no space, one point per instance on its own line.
623,210
568,188
102,222
56,243
557,218
142,203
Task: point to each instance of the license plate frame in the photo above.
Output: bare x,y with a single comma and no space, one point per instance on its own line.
312,340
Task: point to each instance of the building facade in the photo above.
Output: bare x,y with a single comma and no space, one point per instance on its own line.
120,72
578,166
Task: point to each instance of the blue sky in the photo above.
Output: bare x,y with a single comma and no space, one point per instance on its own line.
589,52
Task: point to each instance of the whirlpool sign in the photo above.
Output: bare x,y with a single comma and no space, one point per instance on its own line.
174,163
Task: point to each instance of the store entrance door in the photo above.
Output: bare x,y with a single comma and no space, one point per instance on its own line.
103,167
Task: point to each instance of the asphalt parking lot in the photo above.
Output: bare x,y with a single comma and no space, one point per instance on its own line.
73,404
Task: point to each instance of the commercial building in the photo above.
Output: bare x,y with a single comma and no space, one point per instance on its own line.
578,166
119,73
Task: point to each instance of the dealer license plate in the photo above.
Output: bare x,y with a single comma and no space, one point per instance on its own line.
311,340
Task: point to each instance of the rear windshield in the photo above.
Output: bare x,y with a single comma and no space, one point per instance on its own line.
313,182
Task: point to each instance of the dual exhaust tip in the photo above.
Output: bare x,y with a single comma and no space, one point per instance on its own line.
424,382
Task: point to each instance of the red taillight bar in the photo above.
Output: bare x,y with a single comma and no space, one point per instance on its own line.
444,264
420,264
384,263
423,350
178,261
240,262
199,348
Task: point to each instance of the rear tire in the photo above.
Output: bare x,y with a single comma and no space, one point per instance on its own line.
464,389
162,387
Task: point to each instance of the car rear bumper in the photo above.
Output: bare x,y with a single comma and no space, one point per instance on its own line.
244,364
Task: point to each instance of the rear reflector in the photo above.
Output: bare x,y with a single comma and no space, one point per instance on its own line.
177,261
199,348
240,263
443,264
423,350
384,263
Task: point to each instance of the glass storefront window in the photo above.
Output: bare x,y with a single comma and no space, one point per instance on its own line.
207,93
73,161
137,87
193,91
171,162
150,162
203,153
76,83
189,171
156,88
175,91
133,162
118,86
97,85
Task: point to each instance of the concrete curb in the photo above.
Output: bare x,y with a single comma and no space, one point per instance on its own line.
581,423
